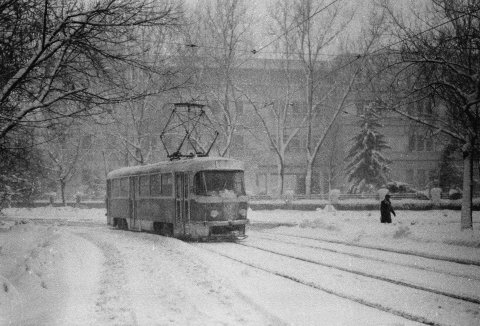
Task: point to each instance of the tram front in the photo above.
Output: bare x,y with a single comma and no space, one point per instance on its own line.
219,205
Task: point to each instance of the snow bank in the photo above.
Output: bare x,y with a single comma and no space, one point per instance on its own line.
41,273
66,213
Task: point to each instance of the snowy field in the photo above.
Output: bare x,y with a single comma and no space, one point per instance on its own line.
42,266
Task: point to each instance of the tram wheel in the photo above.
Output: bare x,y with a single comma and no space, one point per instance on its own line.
167,230
122,224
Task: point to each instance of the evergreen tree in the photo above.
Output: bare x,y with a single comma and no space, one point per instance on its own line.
367,168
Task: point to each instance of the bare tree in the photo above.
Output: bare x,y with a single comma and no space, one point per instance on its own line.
328,84
318,25
438,57
69,51
223,33
62,59
275,110
64,150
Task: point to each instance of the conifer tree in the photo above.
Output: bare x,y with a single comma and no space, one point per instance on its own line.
367,167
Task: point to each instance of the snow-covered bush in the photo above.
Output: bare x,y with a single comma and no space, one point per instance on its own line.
454,194
435,195
334,196
288,196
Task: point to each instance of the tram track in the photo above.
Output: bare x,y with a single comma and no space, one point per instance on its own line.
475,300
457,260
396,286
425,260
327,290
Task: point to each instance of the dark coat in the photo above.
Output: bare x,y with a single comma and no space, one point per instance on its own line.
385,210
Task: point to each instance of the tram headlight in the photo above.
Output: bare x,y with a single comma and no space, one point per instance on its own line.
214,213
242,212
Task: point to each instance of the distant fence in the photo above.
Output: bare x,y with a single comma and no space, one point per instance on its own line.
420,196
45,203
409,201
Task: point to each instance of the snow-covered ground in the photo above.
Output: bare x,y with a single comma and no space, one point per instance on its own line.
64,266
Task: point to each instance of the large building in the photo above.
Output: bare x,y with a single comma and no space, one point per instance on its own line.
414,151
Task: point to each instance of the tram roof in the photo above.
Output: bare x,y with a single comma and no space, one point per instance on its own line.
193,164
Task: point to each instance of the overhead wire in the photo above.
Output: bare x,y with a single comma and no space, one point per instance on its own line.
262,48
296,25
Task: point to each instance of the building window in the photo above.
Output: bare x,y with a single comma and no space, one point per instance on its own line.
298,108
409,176
238,142
429,144
411,143
421,177
419,143
420,108
248,108
360,105
87,142
239,107
295,144
428,106
261,182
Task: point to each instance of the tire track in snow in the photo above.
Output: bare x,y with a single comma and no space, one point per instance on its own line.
165,284
112,305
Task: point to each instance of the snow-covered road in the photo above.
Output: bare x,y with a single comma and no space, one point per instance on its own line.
72,271
113,277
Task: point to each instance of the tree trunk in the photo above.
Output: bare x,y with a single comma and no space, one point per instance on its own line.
308,177
281,177
466,217
62,191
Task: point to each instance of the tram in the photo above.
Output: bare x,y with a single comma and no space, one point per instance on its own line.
200,198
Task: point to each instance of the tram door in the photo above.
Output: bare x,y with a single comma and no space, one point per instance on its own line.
181,201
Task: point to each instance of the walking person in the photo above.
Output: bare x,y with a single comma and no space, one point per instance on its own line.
386,210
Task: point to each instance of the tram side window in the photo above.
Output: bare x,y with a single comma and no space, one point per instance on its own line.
167,184
156,185
123,188
119,188
144,189
199,184
115,188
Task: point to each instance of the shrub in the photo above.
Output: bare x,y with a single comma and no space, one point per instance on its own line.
455,195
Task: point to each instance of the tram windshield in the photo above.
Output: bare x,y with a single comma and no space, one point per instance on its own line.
219,183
